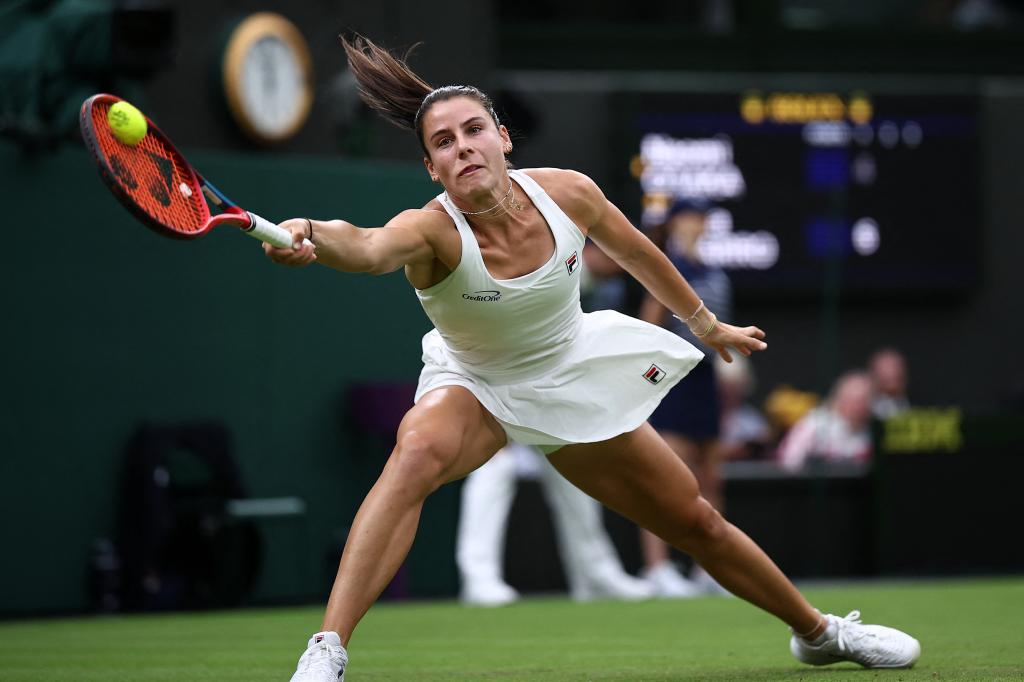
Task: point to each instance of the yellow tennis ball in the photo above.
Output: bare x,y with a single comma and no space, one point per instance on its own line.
127,123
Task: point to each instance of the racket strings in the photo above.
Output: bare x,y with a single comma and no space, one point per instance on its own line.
155,177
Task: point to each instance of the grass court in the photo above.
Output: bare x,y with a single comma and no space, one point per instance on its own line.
969,630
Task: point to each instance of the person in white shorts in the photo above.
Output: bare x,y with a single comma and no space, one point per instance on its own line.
495,260
592,567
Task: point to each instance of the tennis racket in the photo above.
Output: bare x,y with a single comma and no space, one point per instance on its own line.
160,187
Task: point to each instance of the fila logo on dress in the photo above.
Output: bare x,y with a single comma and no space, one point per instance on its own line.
654,374
571,262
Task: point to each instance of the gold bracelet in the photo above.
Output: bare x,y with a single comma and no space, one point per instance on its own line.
711,325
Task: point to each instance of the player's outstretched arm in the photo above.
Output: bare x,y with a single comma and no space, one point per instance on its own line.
638,256
343,246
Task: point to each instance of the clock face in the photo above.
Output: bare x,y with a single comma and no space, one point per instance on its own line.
268,77
273,82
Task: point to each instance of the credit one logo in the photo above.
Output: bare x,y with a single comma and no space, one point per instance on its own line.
483,296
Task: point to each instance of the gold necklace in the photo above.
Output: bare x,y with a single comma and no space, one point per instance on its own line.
488,210
514,204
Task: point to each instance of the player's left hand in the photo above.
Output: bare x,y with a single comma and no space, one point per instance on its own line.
744,340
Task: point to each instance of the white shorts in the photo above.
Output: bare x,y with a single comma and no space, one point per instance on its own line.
608,383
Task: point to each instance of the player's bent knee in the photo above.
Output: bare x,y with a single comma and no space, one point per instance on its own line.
703,525
422,459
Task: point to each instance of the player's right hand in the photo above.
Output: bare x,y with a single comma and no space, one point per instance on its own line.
302,251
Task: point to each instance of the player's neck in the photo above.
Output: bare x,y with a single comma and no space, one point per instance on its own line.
501,201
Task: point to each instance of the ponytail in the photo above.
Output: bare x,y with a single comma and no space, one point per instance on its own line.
388,86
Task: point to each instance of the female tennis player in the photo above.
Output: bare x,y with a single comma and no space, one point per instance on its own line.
495,260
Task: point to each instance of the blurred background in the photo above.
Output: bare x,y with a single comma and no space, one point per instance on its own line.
185,425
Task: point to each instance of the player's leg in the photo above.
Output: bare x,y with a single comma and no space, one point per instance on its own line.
638,475
706,467
446,435
659,569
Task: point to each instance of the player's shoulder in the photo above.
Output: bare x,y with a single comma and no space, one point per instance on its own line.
563,180
576,193
432,217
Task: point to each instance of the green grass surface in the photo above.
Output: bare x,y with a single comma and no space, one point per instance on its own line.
969,630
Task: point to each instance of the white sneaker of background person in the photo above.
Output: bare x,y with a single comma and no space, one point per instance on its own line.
324,660
610,582
668,582
479,592
703,581
847,639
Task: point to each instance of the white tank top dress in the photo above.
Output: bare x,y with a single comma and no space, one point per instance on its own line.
550,374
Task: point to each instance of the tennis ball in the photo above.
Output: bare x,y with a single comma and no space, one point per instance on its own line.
127,123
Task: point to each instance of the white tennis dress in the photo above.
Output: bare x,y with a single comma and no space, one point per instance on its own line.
549,373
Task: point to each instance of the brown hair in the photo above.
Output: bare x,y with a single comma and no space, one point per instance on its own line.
388,86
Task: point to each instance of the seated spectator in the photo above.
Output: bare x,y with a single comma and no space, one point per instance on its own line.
838,431
745,433
784,406
889,373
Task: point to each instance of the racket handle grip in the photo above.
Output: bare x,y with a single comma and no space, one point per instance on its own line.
266,231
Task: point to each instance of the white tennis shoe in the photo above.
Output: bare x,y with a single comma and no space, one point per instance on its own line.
324,660
847,639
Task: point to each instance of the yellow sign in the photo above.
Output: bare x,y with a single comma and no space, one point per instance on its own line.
923,431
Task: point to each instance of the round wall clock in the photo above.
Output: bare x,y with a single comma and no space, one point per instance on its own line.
268,77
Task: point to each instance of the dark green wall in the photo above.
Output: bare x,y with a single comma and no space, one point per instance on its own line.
108,324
